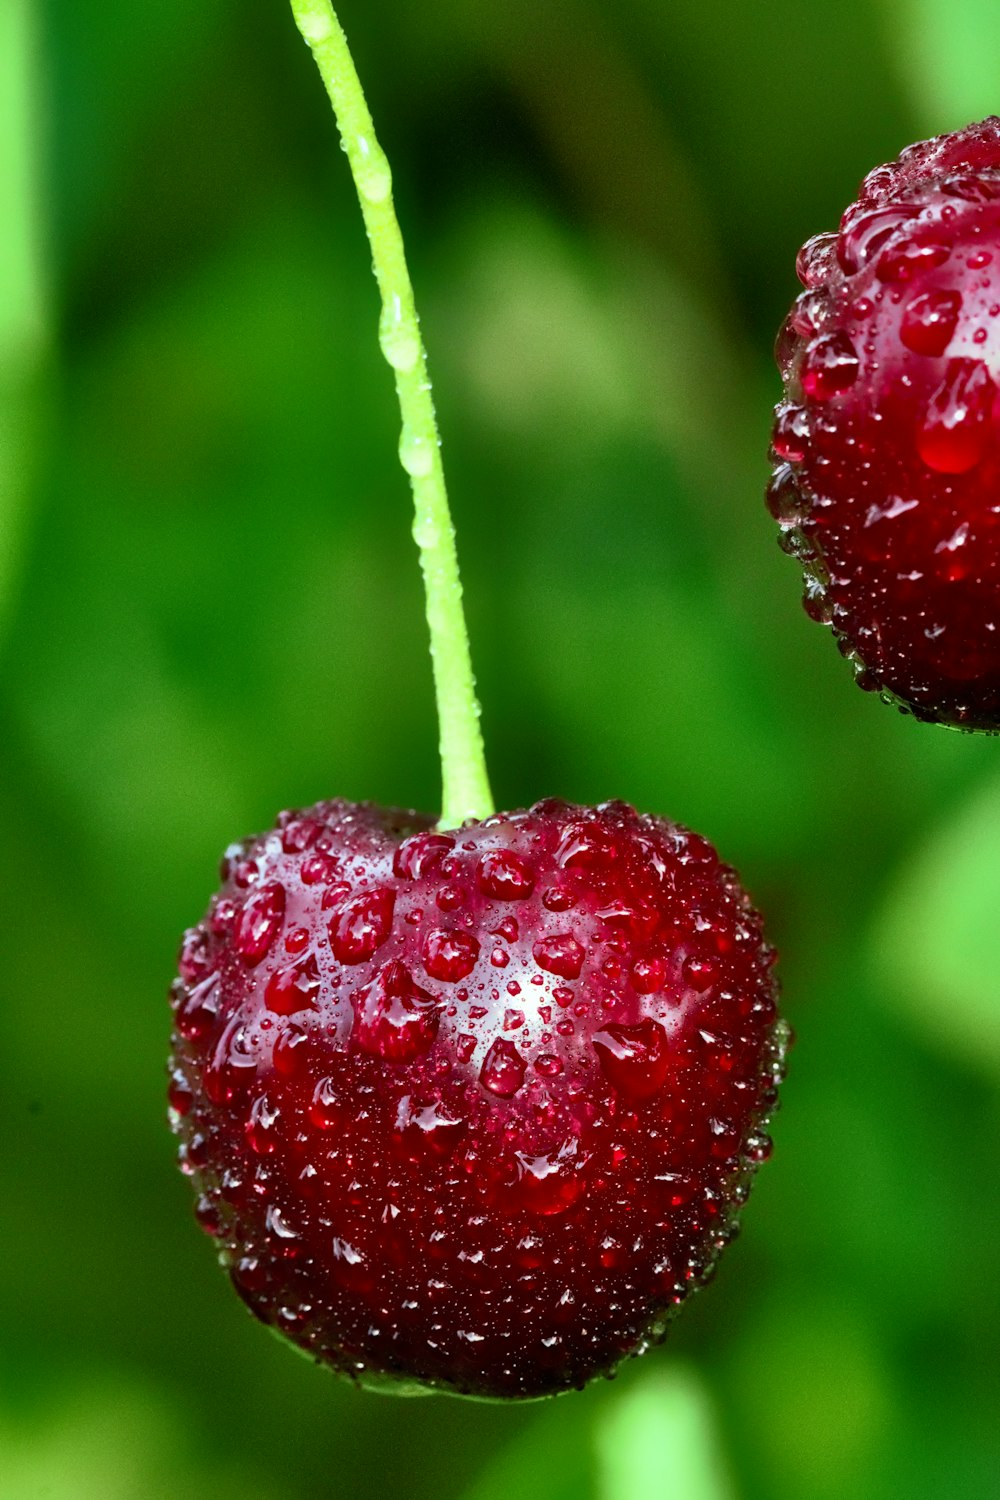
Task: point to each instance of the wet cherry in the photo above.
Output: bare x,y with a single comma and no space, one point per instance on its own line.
476,1110
887,444
471,1108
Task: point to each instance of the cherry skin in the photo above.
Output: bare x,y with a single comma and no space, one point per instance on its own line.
473,1111
887,444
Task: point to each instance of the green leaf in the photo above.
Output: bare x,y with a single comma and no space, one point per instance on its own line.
660,1439
936,946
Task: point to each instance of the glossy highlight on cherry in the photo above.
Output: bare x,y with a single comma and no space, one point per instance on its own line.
473,1110
886,447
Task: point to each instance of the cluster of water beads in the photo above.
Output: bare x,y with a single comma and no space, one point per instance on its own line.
605,1060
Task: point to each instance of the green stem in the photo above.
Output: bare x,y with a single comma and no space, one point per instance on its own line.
465,784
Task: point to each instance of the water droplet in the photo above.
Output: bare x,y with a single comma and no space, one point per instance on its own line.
342,1251
278,1225
397,336
904,259
198,1011
450,897
293,987
450,955
222,915
315,25
786,499
319,869
297,835
548,1064
193,960
245,873
233,1064
557,898
637,917
584,845
829,366
560,954
649,975
418,854
816,261
634,1059
787,345
698,972
393,1017
896,505
503,1069
808,314
465,1045
790,434
863,233
952,542
325,1108
431,1123
612,1253
297,940
816,602
956,428
250,1276
362,925
550,1182
371,171
179,1095
505,876
260,1126
416,454
980,188
759,1147
289,1050
929,322
259,923
207,1215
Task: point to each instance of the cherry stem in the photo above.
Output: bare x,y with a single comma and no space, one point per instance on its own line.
465,789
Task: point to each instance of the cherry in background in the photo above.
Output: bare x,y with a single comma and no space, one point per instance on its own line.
887,444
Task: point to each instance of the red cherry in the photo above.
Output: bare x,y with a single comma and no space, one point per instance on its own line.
887,445
474,1111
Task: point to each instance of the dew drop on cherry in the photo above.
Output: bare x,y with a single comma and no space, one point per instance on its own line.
829,366
394,1018
259,923
929,321
450,956
560,954
503,1069
956,428
634,1059
505,876
293,987
361,925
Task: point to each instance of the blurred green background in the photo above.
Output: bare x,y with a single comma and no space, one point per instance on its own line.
210,609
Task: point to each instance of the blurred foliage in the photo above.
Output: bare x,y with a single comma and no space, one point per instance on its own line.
213,611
